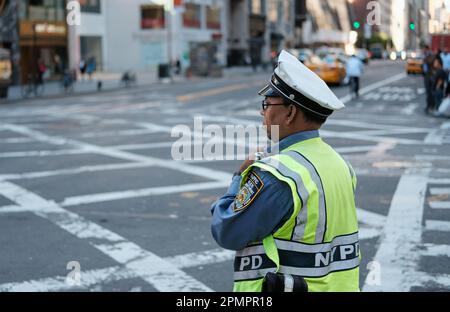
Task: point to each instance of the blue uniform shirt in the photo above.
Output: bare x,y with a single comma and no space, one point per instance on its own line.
234,228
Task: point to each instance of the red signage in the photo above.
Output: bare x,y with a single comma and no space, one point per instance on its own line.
177,3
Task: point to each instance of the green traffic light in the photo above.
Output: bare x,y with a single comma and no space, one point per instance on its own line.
357,25
412,26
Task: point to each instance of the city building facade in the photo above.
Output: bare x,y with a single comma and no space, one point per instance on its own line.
9,33
439,13
140,35
327,23
36,34
43,37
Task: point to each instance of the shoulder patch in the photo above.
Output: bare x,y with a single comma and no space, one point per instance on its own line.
248,192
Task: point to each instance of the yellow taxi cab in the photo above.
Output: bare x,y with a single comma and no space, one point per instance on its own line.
414,64
329,68
5,72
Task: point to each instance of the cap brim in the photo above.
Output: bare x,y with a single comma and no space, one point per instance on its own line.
269,91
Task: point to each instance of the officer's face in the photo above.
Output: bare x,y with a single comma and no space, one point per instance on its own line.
274,114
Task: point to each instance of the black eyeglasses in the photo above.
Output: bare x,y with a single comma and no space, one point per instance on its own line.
266,105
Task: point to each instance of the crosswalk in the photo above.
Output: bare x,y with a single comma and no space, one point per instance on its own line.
105,127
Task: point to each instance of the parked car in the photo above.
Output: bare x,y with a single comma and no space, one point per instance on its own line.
5,72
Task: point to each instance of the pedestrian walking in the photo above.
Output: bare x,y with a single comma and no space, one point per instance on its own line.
439,80
58,65
82,68
91,67
291,215
355,69
428,58
446,66
41,70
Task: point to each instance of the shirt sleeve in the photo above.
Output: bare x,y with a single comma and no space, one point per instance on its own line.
251,213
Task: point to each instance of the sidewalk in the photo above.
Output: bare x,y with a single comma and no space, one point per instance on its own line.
111,81
108,81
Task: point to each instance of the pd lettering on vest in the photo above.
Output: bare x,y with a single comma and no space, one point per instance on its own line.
254,262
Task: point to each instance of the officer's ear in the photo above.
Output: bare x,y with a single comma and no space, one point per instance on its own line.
292,113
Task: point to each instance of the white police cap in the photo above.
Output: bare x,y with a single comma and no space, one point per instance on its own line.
297,83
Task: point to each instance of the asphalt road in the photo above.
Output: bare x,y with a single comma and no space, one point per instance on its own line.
89,183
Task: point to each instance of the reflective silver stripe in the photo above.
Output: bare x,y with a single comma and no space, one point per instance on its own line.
253,274
324,247
303,272
352,174
288,283
253,250
313,250
302,192
322,221
319,272
300,247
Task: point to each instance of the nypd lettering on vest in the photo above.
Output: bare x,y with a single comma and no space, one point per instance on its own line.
300,259
337,253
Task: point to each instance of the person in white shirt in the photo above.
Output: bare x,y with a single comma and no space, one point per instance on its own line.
445,56
355,69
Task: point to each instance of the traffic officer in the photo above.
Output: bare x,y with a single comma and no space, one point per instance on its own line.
291,215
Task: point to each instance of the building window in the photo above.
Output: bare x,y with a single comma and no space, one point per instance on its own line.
42,10
91,50
213,17
272,12
152,17
287,10
90,6
256,7
191,15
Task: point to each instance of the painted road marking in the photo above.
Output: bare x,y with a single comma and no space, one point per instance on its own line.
42,153
102,276
324,133
16,140
371,219
164,190
11,209
437,225
217,91
440,190
439,204
439,181
196,259
69,171
174,165
441,280
114,133
161,274
402,233
116,273
88,279
438,136
433,250
374,86
410,109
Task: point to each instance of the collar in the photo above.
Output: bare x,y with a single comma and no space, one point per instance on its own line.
294,139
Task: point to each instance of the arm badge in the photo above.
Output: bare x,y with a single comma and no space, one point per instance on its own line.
248,192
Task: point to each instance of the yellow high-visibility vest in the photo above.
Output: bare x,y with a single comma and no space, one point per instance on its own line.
320,240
